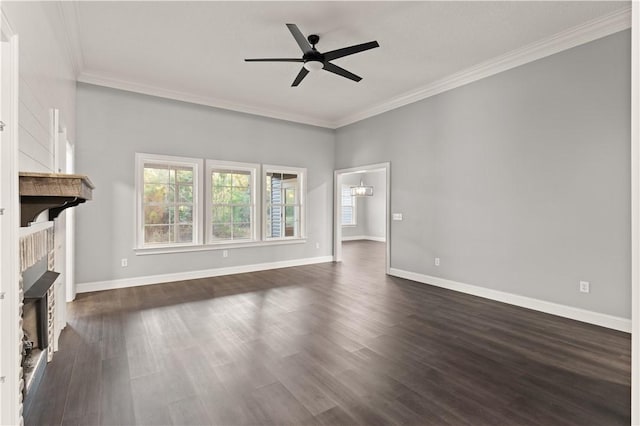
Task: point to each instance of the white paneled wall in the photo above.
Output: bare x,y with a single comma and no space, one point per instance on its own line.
46,82
47,79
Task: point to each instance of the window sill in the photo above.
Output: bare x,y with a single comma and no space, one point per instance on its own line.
209,247
350,226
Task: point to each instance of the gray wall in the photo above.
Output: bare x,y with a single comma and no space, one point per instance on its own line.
370,211
375,206
519,182
113,125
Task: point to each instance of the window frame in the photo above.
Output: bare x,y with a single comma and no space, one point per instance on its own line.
253,169
197,164
354,207
302,188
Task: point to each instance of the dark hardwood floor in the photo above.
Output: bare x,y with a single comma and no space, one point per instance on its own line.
327,344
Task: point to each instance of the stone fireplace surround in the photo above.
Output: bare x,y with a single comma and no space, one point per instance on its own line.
37,244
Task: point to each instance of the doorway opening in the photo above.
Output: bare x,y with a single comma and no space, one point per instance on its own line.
361,222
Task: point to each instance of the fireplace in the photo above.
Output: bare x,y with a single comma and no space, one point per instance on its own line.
43,308
39,287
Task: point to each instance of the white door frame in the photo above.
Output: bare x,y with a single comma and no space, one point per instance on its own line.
59,147
337,208
635,213
70,227
10,373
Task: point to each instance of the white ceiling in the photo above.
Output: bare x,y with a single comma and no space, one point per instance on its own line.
195,50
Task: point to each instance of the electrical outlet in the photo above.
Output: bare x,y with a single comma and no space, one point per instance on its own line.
124,263
225,253
436,261
584,286
317,245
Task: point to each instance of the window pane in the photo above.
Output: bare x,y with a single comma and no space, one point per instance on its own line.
157,215
347,198
168,202
241,230
290,196
241,195
158,193
185,194
157,234
348,203
221,194
291,221
276,221
221,214
268,186
241,214
283,204
240,179
185,175
289,213
221,231
347,215
232,202
154,173
220,179
185,233
185,214
291,229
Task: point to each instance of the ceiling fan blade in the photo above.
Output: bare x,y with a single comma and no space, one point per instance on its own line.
300,38
328,66
339,53
275,60
302,74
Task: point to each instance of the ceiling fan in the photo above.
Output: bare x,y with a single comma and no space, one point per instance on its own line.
315,61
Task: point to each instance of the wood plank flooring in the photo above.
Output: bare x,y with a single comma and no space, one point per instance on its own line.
327,344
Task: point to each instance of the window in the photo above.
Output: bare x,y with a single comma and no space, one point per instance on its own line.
181,205
231,202
167,193
284,202
348,207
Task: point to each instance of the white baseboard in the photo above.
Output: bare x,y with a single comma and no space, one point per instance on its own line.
603,320
191,275
364,237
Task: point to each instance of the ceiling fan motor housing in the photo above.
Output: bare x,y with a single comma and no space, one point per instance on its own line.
313,55
313,40
313,60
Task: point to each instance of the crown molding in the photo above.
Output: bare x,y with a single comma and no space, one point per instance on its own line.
101,79
69,14
592,30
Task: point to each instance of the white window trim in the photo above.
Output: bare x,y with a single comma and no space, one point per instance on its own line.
213,247
354,207
197,165
254,169
302,177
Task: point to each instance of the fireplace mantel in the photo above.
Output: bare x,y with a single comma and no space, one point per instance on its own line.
51,191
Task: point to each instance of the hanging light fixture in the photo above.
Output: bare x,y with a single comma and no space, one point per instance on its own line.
361,190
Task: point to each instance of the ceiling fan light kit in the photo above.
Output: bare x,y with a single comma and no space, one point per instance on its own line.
313,66
312,60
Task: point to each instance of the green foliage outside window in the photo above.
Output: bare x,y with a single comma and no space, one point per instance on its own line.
231,205
168,204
